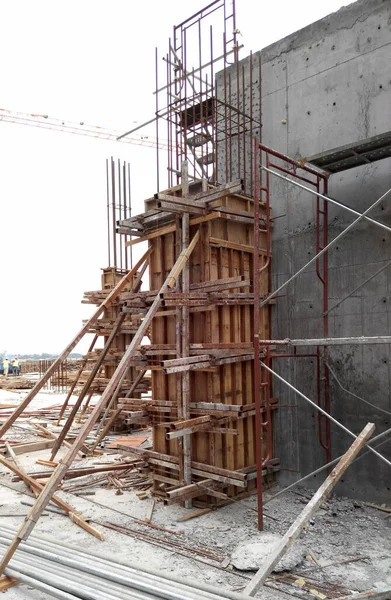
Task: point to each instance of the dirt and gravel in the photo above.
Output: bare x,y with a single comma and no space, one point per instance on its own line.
345,548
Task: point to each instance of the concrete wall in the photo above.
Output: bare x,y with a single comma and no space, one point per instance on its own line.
322,87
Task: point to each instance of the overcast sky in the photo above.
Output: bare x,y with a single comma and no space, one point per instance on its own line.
90,61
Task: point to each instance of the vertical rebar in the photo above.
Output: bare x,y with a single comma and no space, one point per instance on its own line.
108,211
130,214
113,224
157,119
118,214
125,213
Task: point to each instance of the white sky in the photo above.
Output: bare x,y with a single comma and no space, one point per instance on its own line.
91,61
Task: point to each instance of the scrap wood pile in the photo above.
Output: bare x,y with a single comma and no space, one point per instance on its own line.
46,413
120,477
118,474
15,383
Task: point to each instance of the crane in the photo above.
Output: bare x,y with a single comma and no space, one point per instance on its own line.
81,128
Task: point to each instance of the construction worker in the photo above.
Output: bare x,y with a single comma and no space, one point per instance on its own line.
6,366
15,366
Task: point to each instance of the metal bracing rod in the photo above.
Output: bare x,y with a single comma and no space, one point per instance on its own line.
326,414
386,412
142,125
328,198
346,341
359,287
208,64
325,249
328,465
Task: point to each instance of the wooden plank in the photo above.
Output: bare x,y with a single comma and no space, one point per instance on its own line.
190,367
180,264
170,229
222,430
194,514
205,474
313,505
217,406
226,283
180,433
220,192
150,236
38,487
47,463
32,446
180,209
233,245
210,469
7,582
148,516
162,478
221,478
188,360
189,422
193,490
82,471
179,200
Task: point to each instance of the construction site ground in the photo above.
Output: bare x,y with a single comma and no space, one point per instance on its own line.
346,547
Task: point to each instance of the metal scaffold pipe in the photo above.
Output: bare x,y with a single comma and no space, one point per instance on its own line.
328,199
346,341
328,465
39,585
326,414
326,248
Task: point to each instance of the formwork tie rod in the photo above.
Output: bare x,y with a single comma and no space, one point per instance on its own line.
379,339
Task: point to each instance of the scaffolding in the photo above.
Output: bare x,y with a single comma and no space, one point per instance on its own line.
207,312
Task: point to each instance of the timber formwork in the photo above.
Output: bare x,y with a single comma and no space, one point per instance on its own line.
117,327
201,351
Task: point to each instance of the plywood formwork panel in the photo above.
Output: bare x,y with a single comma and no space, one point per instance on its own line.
225,250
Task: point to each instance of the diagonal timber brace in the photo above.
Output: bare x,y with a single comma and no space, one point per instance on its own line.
58,474
107,302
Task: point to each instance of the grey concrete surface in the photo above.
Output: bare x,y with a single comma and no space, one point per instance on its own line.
322,87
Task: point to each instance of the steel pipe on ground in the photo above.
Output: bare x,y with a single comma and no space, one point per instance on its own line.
72,581
61,582
108,570
38,585
131,581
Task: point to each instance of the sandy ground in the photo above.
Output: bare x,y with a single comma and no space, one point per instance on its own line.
341,531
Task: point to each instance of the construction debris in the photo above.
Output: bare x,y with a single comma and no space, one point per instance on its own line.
251,555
